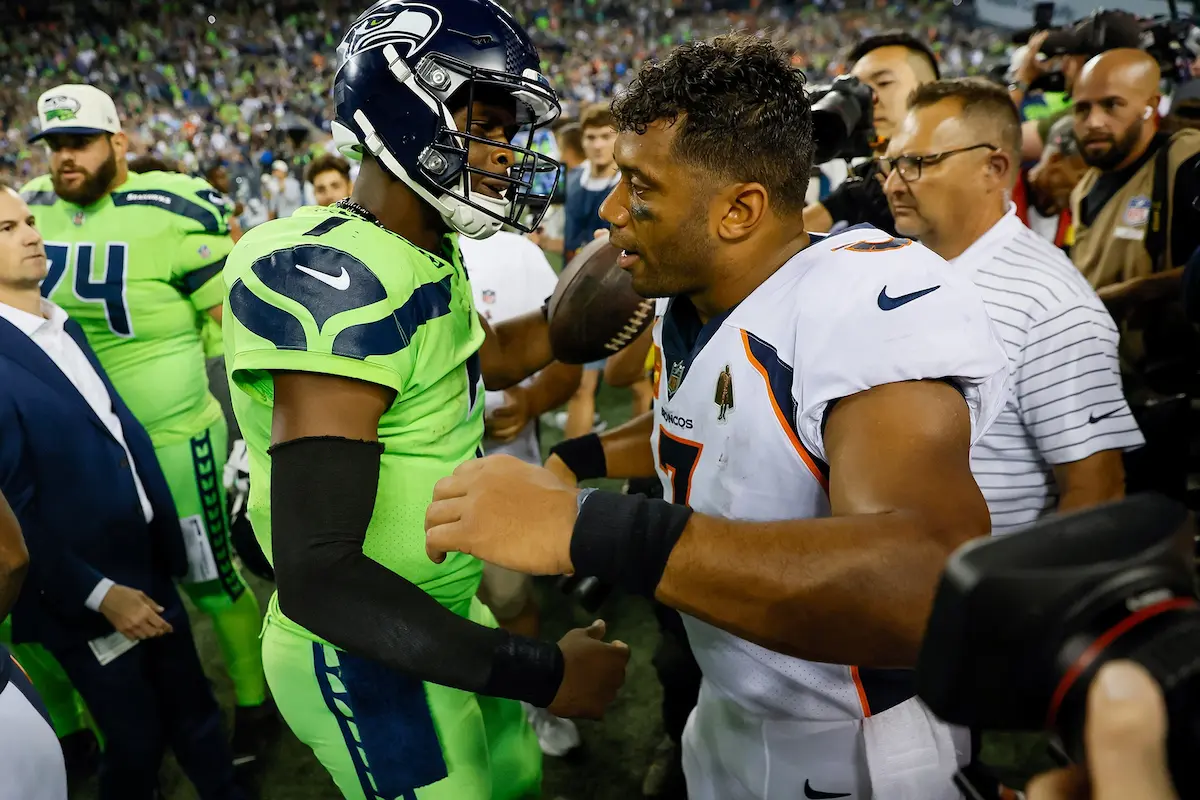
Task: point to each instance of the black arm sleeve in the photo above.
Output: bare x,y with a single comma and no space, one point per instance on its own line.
1185,212
322,498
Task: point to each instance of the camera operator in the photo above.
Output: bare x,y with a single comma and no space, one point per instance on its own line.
1066,51
893,65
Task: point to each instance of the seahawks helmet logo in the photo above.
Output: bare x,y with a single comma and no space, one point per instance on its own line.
408,26
60,108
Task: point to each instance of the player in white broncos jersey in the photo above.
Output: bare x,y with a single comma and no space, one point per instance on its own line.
817,400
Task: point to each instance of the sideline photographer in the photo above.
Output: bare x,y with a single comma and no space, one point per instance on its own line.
893,65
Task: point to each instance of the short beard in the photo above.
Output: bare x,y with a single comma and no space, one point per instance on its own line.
1119,151
94,186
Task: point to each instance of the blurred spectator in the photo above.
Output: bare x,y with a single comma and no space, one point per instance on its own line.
570,145
1043,192
590,182
282,192
151,164
329,177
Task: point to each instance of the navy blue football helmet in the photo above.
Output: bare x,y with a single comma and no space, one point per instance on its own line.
404,68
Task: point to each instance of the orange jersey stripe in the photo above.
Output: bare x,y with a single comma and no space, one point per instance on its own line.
862,692
783,420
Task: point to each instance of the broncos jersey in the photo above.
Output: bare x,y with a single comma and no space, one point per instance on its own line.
741,405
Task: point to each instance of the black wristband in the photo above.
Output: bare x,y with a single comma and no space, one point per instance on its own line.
626,539
526,669
546,308
583,455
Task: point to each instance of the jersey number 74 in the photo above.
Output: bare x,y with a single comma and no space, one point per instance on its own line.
109,289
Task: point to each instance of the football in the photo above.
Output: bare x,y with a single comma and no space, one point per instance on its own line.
594,311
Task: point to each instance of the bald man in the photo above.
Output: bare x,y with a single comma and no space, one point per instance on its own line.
1136,225
1128,255
893,64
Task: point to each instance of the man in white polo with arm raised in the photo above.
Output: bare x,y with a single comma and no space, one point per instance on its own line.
1057,445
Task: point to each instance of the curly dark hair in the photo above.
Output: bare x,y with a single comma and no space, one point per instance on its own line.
745,114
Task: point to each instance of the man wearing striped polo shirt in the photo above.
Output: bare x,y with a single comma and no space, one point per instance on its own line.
1057,446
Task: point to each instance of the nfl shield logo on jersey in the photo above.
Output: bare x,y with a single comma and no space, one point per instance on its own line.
489,296
674,379
78,218
1137,213
204,252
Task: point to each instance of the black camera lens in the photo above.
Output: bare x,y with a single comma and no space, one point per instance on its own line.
1023,622
1161,635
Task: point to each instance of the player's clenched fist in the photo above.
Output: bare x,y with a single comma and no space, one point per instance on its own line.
593,673
506,512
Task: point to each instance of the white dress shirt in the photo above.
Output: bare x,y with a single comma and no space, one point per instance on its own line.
48,332
1067,401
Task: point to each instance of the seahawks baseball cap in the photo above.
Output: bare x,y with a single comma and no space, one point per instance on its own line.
76,108
1098,33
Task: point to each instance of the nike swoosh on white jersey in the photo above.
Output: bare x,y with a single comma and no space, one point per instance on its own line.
339,282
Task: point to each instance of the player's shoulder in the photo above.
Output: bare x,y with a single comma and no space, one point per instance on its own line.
320,255
192,203
38,192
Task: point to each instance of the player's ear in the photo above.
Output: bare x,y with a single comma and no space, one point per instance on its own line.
745,207
120,143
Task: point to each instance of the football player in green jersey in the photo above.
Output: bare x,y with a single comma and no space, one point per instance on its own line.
355,358
136,260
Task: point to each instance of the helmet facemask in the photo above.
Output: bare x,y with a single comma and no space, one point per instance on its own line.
444,176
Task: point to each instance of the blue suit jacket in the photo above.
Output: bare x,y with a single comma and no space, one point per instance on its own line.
70,484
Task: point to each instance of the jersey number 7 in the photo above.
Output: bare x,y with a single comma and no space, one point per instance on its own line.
109,289
678,458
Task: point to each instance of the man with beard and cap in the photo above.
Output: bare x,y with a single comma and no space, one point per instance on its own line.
1136,224
136,260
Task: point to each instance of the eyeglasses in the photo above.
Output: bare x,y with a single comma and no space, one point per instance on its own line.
910,166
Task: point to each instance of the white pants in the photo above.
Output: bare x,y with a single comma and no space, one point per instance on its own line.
31,761
904,753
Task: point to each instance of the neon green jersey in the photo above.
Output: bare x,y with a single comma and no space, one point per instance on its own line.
137,270
325,291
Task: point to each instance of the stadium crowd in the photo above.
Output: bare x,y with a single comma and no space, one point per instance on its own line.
1041,199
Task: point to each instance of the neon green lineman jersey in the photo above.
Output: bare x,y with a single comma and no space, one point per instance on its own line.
325,291
136,271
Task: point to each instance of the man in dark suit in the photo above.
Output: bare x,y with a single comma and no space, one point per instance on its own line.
103,538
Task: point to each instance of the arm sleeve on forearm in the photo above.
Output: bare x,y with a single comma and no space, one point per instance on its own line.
322,499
